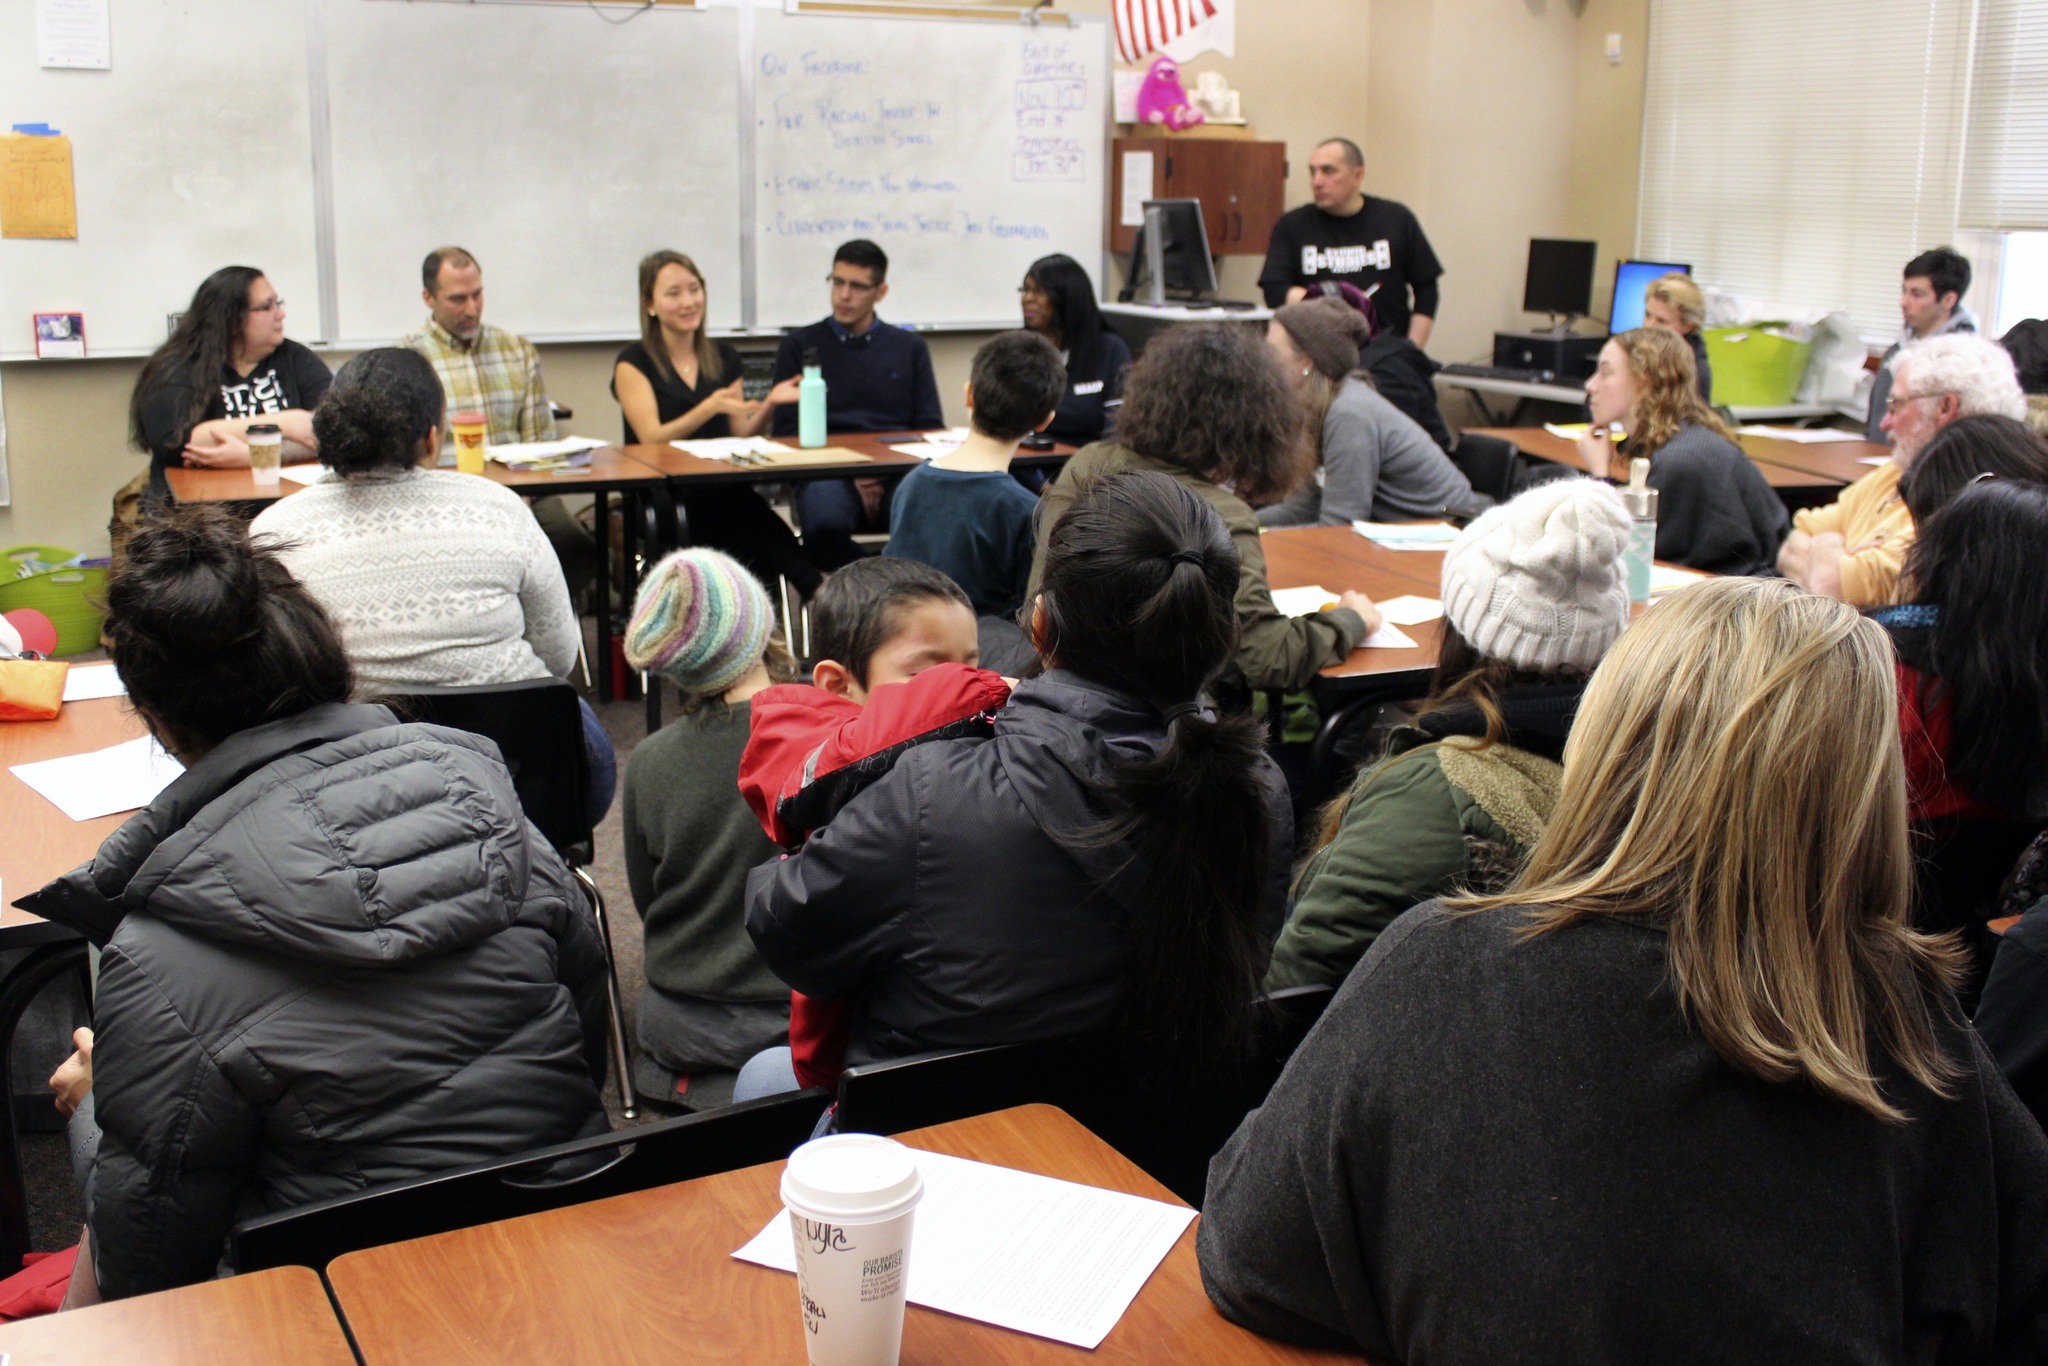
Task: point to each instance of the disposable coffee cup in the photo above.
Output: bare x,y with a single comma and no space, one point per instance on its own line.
851,1199
266,451
469,431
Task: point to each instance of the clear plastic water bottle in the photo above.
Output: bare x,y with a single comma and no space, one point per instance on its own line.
810,404
1641,556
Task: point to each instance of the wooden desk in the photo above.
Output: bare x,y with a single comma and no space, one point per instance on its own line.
42,842
649,1277
611,470
270,1318
884,462
1339,558
1834,460
1783,478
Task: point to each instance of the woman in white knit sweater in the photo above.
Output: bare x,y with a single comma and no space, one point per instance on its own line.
435,578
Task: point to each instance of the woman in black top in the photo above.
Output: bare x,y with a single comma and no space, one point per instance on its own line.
1059,304
675,383
226,365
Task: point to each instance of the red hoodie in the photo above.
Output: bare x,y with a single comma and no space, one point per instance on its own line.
810,752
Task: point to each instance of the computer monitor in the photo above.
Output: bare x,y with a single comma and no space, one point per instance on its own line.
1631,278
1560,278
1187,268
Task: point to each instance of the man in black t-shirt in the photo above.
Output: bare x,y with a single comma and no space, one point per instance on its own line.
1349,237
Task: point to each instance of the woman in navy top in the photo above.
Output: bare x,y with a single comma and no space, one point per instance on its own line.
1059,304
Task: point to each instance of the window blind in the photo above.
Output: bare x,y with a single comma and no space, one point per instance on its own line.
1802,153
2005,162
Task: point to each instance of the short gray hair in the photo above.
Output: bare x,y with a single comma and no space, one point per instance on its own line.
1977,370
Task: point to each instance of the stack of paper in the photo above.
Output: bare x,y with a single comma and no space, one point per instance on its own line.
1406,536
1026,1252
730,447
543,455
1803,435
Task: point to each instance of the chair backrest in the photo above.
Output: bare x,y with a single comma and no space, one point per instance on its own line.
586,1169
538,727
1488,464
1171,1135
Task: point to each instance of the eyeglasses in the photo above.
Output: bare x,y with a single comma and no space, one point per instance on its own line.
854,286
1032,289
270,307
1894,402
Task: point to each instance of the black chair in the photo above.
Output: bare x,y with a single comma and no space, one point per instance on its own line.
1171,1136
600,1166
538,728
1488,464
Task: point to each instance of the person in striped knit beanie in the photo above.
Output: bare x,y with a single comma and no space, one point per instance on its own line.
703,623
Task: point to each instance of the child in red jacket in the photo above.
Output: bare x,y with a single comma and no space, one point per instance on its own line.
895,644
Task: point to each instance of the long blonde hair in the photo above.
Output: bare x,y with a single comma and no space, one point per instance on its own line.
1667,383
1734,776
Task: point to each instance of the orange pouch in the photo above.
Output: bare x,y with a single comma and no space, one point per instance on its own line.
31,689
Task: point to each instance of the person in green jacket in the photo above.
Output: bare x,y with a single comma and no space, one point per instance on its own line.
1534,594
1207,405
704,623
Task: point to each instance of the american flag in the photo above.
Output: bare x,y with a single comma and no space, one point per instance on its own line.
1145,26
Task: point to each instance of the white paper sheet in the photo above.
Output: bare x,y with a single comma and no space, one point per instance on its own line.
1401,536
541,450
1299,602
1137,189
1021,1251
726,447
928,450
1873,460
945,436
1388,637
73,33
84,683
98,783
1666,578
315,473
1805,436
1410,610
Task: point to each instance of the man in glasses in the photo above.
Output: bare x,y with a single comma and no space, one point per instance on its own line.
1852,549
1930,305
878,378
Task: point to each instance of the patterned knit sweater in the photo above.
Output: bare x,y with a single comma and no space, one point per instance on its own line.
434,577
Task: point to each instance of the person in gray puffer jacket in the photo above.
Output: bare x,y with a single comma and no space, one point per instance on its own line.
334,952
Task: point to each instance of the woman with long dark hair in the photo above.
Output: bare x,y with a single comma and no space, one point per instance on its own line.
1058,301
226,366
676,382
1114,855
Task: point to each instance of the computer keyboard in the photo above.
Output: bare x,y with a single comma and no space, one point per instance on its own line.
1501,372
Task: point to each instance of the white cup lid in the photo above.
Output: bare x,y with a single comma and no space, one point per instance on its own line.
852,1176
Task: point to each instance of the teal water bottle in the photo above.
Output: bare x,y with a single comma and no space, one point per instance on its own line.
1641,555
810,404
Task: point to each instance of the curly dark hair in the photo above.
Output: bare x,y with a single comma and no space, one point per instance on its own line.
383,404
1210,398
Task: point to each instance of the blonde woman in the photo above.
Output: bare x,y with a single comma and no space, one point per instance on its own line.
1674,303
1715,512
1690,1089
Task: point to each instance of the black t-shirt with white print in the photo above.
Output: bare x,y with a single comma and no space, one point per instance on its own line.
1382,244
289,377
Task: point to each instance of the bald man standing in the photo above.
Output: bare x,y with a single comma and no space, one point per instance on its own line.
1348,237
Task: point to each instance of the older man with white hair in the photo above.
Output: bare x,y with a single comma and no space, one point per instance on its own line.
1852,549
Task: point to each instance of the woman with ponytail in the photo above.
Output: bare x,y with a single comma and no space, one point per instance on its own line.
1113,855
333,954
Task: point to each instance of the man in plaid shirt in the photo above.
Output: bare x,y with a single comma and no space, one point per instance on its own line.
489,370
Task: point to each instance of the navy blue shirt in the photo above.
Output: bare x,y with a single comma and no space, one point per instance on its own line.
974,525
879,381
1088,409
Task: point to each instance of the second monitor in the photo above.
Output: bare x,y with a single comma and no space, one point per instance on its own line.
1631,278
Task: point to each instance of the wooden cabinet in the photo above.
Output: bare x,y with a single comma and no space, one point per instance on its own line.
1242,186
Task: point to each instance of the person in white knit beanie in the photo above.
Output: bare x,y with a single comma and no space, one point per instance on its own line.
1534,595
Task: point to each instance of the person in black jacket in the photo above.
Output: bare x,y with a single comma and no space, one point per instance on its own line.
1691,1089
1113,856
334,953
1058,302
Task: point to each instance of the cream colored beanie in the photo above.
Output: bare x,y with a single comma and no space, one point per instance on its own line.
1538,582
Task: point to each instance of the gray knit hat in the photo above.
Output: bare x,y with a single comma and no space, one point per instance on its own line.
1538,582
1328,331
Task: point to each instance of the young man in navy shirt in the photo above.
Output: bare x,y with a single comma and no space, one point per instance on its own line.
878,378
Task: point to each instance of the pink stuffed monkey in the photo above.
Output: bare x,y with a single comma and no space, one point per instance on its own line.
1162,99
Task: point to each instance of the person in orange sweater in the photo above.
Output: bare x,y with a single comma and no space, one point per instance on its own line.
1852,549
895,649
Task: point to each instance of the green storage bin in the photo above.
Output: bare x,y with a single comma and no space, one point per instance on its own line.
1758,366
70,598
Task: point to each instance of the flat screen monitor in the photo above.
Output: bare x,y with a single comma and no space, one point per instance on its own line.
1560,277
1631,278
1184,251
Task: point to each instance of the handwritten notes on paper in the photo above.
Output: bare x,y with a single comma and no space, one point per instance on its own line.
36,196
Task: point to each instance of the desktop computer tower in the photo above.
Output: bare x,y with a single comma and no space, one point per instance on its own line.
1564,357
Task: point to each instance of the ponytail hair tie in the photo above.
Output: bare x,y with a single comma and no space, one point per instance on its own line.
1180,709
1193,557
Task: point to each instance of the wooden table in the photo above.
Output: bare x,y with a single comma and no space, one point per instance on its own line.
42,842
270,1318
1836,460
1803,484
611,470
884,461
649,1277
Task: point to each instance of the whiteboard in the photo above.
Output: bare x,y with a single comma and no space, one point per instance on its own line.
966,150
191,154
559,143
